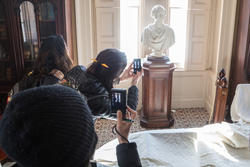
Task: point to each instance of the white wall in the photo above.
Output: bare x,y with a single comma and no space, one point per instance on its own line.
193,86
221,45
189,83
84,31
188,89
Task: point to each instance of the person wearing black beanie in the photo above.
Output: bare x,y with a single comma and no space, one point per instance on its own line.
52,126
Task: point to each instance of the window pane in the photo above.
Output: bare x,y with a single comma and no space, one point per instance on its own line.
28,23
178,21
178,3
132,2
129,30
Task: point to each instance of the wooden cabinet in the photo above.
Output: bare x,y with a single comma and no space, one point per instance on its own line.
23,25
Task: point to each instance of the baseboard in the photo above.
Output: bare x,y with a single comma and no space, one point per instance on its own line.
188,103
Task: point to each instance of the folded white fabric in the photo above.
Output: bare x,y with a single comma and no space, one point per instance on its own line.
199,147
240,108
236,135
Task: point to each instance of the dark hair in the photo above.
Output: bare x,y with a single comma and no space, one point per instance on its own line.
52,55
116,62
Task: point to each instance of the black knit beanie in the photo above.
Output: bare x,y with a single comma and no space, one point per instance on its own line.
48,126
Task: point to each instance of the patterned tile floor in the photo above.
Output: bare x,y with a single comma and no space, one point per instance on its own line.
184,118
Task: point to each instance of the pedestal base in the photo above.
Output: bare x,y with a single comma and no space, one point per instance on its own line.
157,92
157,123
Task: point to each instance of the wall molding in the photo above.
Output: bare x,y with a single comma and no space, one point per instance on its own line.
210,89
188,89
188,102
226,28
107,28
209,107
84,29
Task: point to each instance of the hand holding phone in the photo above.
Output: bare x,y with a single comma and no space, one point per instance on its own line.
123,126
137,65
136,77
118,101
128,73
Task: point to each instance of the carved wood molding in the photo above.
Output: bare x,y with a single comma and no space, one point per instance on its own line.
218,113
221,79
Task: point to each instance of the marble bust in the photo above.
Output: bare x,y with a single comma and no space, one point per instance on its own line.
158,36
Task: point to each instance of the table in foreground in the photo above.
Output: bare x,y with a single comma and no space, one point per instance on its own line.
184,147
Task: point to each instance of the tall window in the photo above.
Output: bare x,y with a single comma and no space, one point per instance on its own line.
129,28
177,16
28,21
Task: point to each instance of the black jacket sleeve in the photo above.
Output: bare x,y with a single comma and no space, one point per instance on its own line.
132,97
100,105
127,155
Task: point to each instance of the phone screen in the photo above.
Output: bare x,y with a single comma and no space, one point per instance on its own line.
137,65
118,100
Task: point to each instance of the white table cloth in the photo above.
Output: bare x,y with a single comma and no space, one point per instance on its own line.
220,145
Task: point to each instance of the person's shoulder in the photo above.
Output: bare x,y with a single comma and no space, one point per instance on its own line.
96,85
77,76
76,72
92,86
49,80
27,76
26,82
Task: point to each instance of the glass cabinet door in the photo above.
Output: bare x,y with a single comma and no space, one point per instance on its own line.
29,33
36,25
47,21
5,63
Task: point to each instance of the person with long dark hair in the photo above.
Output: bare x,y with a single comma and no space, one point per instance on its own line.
96,82
52,63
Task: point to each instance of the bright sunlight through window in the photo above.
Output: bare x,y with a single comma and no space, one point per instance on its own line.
129,28
177,12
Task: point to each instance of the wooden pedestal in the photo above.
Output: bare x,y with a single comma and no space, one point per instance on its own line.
157,92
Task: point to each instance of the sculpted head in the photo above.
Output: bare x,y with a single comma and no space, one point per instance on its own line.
158,36
158,12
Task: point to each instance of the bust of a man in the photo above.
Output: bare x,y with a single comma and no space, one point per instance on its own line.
158,36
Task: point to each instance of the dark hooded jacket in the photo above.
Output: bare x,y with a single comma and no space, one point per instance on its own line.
98,97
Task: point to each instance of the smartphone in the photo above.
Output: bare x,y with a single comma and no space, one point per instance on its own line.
137,65
118,101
